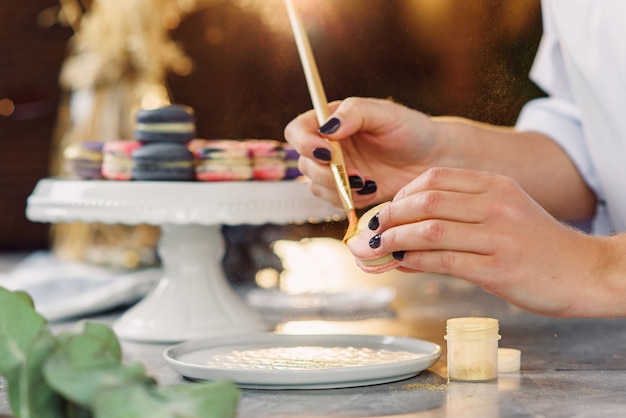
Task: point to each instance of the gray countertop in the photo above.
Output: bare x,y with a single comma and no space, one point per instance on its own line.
570,367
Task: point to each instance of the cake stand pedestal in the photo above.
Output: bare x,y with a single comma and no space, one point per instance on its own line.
193,299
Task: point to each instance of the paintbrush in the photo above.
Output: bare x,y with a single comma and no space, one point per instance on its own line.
320,104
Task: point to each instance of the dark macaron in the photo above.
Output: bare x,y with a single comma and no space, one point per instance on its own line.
163,161
173,123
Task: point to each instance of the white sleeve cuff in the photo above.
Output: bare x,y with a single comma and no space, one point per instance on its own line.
559,120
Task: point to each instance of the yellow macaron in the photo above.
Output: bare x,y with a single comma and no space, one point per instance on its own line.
358,245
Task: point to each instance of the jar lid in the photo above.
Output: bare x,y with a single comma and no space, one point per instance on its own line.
509,360
473,328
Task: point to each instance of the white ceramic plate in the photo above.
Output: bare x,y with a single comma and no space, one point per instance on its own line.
280,361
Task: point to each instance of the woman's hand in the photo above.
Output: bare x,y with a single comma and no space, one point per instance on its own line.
486,229
385,146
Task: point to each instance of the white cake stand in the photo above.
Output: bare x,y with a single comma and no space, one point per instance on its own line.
193,298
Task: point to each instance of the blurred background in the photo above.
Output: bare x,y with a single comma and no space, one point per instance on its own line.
239,69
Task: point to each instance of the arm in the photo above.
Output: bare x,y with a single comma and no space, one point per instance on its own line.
540,165
475,215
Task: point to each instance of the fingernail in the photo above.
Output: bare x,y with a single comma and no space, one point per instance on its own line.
375,241
374,223
356,182
330,126
398,255
369,188
322,154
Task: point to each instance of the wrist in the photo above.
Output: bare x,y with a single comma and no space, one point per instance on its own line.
452,139
611,274
600,289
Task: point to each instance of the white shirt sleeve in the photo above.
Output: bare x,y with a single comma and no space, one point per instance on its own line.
557,115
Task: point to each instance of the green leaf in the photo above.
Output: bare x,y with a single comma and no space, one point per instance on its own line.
80,373
25,344
29,393
197,400
108,342
82,365
25,297
20,325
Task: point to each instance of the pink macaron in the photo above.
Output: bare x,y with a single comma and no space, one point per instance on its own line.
221,160
268,159
117,162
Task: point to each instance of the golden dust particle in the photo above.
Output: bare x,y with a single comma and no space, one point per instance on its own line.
426,386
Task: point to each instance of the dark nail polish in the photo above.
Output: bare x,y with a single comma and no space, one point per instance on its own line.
398,255
374,223
322,154
356,182
375,241
369,188
330,126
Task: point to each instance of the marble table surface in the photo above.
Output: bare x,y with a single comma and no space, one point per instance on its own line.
569,367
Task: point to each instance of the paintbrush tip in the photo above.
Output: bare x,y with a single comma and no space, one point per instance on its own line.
352,226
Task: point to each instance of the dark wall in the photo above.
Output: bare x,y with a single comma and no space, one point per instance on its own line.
473,62
30,58
471,59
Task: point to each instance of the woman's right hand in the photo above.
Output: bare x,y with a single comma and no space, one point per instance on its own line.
484,228
385,146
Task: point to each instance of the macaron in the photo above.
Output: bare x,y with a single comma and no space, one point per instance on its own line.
172,123
268,159
117,160
359,245
291,163
83,159
221,160
163,161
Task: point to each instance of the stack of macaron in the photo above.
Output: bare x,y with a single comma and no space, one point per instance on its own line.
164,133
158,150
165,147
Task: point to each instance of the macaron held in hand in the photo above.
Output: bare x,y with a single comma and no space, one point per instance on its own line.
359,245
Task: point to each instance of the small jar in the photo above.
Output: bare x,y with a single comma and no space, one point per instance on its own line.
472,349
